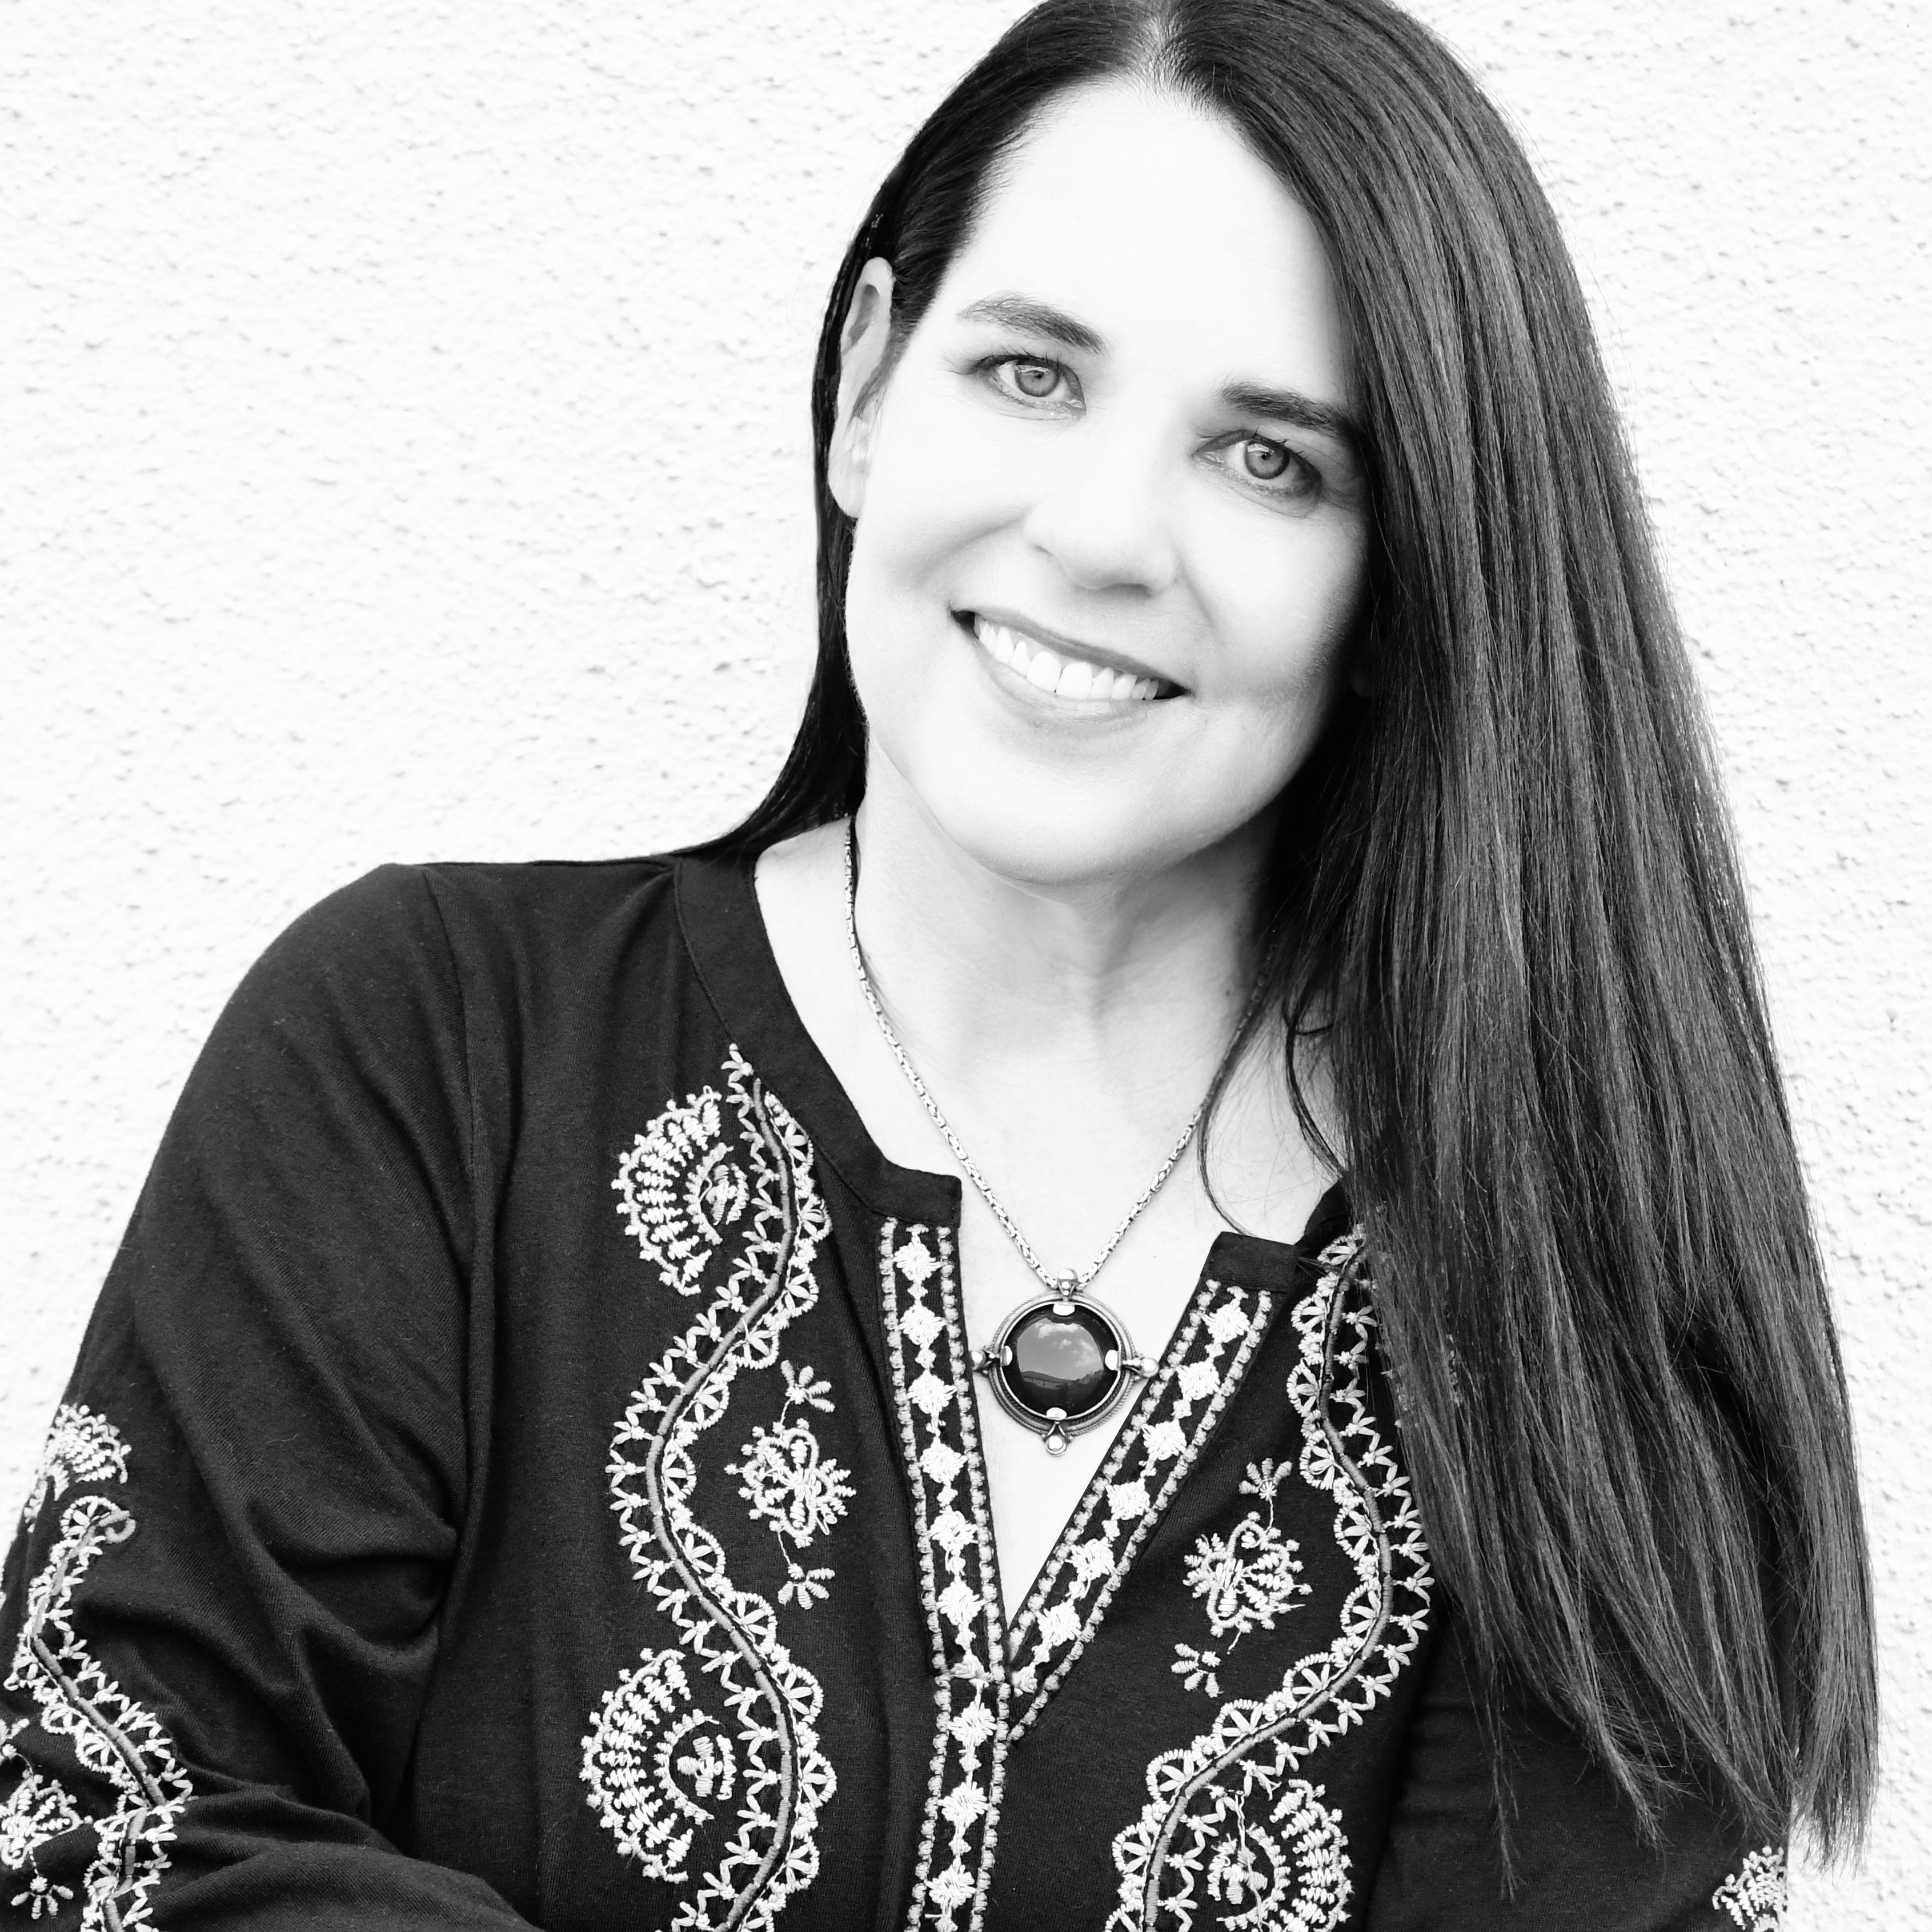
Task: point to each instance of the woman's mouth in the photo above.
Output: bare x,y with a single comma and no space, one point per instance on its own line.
1060,670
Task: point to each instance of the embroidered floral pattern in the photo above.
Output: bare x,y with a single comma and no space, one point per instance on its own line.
1287,1866
679,1190
959,1583
81,1447
1149,1458
36,1809
795,1489
1247,1578
111,1736
44,1895
1196,1668
1754,1897
658,1762
662,1766
1219,1809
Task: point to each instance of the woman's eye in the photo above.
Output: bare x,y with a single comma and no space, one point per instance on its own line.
1262,459
1280,471
1031,379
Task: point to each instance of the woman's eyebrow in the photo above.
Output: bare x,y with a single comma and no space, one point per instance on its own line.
1035,318
1291,405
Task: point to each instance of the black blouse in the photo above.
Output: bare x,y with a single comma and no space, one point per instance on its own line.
524,1469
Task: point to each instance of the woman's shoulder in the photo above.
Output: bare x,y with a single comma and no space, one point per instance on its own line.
403,922
403,964
416,901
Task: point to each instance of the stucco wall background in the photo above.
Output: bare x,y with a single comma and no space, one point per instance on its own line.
402,454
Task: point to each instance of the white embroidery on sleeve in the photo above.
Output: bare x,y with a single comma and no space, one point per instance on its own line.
1754,1897
81,1447
37,1809
110,1734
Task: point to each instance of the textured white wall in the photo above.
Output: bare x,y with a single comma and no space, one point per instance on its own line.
404,456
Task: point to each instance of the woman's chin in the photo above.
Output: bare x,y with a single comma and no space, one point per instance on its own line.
1058,837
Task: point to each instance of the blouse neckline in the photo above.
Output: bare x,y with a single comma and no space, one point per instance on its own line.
724,931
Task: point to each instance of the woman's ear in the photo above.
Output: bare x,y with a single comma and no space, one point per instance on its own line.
862,354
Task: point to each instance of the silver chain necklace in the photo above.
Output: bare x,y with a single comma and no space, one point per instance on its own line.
1060,1361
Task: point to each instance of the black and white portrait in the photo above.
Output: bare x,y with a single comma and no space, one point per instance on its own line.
964,969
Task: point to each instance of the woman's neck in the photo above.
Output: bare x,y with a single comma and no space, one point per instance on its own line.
987,978
1067,1032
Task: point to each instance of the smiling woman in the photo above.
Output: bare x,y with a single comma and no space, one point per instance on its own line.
1068,469
708,1392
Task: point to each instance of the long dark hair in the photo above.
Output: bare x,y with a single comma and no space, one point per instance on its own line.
1507,890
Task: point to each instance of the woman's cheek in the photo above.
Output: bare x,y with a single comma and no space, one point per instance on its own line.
947,471
1286,607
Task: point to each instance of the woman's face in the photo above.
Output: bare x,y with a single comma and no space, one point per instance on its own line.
1111,523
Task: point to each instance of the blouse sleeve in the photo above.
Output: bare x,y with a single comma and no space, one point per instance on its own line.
220,1609
1577,1858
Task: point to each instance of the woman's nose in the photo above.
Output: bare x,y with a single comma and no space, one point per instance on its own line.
1104,512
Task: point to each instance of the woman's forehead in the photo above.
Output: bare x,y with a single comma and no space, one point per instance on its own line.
1151,222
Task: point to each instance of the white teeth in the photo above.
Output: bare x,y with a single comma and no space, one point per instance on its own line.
1046,669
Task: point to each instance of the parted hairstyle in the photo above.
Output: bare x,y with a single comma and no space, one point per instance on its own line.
1504,897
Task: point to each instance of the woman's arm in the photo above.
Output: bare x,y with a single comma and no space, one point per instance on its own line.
221,1609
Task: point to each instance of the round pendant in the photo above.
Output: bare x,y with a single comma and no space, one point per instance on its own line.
1060,1363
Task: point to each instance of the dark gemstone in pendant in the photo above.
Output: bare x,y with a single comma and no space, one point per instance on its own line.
1057,1359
